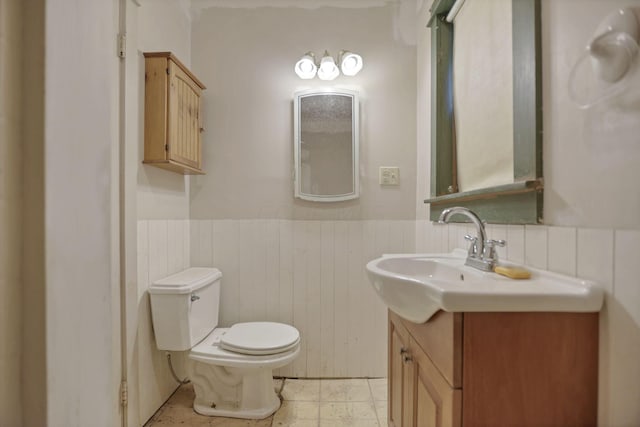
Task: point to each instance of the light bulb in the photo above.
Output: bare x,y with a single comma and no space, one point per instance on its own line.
328,68
351,63
306,67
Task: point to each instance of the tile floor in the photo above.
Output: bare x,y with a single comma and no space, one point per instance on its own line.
306,403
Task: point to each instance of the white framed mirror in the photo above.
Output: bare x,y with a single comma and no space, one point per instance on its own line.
326,141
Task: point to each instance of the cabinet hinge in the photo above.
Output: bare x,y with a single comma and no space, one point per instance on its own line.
166,147
167,70
124,393
122,45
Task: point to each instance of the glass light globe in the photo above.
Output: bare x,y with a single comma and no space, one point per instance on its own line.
306,67
328,68
351,63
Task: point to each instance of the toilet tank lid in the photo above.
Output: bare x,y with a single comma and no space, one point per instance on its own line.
186,281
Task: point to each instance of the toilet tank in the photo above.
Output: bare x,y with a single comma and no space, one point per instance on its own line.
184,307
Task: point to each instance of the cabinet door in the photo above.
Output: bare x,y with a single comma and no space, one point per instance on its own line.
155,109
435,402
184,118
399,388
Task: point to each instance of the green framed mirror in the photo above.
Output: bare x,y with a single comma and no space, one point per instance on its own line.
516,202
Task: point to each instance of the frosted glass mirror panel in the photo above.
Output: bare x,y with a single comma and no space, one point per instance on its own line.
326,145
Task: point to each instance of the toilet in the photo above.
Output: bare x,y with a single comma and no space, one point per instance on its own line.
231,368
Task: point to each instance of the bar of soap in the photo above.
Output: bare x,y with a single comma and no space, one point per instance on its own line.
513,272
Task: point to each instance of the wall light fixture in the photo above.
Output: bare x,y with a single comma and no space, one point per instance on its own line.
306,67
327,69
350,63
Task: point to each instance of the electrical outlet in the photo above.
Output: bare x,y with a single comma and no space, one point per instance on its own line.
389,175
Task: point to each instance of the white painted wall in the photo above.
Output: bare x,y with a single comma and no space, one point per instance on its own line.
10,212
80,157
163,196
590,157
131,154
246,59
162,25
591,199
423,113
285,259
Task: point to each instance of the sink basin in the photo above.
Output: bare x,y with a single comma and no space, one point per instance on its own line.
417,286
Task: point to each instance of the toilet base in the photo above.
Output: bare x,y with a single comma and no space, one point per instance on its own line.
237,413
233,392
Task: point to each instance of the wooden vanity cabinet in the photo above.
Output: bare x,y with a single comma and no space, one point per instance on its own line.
494,369
419,393
172,123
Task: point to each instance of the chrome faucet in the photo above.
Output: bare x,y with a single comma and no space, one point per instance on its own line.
482,253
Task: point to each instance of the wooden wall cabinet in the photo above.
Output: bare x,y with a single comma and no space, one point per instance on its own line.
494,369
172,124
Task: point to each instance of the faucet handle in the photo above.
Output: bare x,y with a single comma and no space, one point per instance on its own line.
490,248
473,248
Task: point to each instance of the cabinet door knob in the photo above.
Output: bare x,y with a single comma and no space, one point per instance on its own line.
406,358
403,350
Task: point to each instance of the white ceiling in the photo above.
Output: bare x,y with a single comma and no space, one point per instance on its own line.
305,4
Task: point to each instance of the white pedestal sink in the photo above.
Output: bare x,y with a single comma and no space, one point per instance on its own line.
416,286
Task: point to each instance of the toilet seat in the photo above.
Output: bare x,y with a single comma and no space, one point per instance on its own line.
210,351
260,338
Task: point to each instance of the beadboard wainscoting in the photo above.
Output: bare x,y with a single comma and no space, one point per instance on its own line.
163,249
310,274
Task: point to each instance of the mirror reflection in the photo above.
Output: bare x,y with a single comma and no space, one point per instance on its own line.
326,141
498,38
483,94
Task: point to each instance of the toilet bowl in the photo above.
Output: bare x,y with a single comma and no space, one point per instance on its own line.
231,368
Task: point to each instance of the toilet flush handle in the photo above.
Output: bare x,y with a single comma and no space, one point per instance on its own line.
194,297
